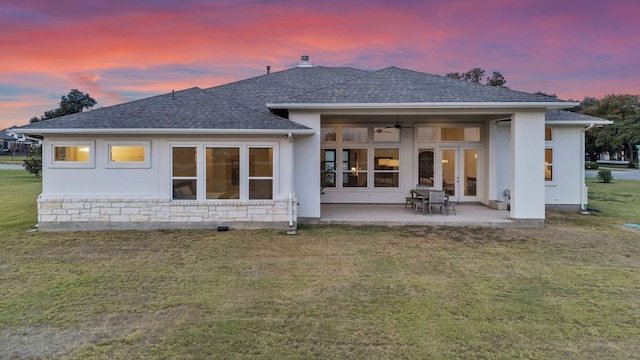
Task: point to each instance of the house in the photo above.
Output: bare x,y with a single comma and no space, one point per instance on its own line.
7,143
253,153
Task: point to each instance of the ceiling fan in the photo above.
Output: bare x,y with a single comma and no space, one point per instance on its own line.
397,125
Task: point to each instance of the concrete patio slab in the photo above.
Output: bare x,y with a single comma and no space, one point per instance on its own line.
398,215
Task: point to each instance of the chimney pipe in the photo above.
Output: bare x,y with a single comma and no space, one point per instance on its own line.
268,69
304,61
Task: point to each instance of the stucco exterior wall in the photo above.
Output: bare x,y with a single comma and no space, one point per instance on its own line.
101,196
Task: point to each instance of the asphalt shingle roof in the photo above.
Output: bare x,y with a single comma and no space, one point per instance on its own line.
187,109
395,85
566,116
284,85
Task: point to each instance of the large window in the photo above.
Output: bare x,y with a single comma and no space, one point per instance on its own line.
184,173
354,168
426,173
260,173
222,173
386,167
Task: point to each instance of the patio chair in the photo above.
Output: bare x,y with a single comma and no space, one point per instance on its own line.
448,204
436,198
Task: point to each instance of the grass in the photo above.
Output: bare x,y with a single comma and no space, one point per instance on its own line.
17,159
568,291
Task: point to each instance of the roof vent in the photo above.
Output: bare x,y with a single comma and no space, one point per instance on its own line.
304,61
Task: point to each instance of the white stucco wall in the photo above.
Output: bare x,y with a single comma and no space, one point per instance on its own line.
103,197
307,165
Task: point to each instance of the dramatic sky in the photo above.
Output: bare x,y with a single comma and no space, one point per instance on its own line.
122,50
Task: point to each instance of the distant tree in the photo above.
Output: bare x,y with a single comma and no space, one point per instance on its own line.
624,133
545,94
497,79
33,163
476,75
74,102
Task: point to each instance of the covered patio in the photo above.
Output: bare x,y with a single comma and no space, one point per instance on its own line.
398,215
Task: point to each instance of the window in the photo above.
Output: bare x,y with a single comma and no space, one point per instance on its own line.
386,168
548,133
548,164
466,134
260,173
184,165
426,134
354,168
355,134
328,168
72,154
425,167
386,135
328,134
222,174
129,154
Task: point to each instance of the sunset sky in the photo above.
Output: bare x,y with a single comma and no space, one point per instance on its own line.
122,50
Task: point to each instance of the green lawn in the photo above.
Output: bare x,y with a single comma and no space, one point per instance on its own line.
568,291
13,159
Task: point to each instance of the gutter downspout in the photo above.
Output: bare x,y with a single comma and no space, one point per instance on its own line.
583,185
290,136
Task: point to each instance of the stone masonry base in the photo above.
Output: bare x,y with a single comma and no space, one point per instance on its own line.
147,214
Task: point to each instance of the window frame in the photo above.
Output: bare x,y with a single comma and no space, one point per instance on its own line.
90,164
551,165
146,164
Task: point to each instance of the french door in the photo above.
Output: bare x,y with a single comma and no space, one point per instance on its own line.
460,173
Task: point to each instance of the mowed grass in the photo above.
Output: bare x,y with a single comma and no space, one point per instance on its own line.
568,291
13,159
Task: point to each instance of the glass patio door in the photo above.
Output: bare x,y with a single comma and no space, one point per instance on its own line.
460,172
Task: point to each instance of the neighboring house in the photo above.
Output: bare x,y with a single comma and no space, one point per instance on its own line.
252,153
7,144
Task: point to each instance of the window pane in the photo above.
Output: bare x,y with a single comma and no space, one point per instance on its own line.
328,168
223,173
354,159
71,153
355,134
386,179
126,153
184,162
184,189
260,162
354,179
548,133
328,134
460,134
548,162
386,159
260,189
426,134
425,167
386,135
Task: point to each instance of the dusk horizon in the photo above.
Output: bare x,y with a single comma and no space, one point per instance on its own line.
123,51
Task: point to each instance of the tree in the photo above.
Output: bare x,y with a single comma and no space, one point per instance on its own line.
33,163
74,102
624,133
476,75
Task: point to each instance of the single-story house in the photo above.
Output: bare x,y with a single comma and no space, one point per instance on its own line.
7,143
255,153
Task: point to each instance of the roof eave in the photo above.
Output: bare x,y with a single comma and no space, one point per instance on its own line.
579,122
166,131
427,105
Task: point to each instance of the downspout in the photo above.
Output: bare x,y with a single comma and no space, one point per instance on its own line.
290,136
583,185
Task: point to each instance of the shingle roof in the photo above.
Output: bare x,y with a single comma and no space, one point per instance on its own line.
284,85
395,85
568,116
187,109
5,136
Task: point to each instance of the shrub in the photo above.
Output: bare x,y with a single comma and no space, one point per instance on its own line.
33,163
592,165
604,175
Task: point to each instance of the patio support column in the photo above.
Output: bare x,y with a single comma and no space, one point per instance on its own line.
307,166
527,166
